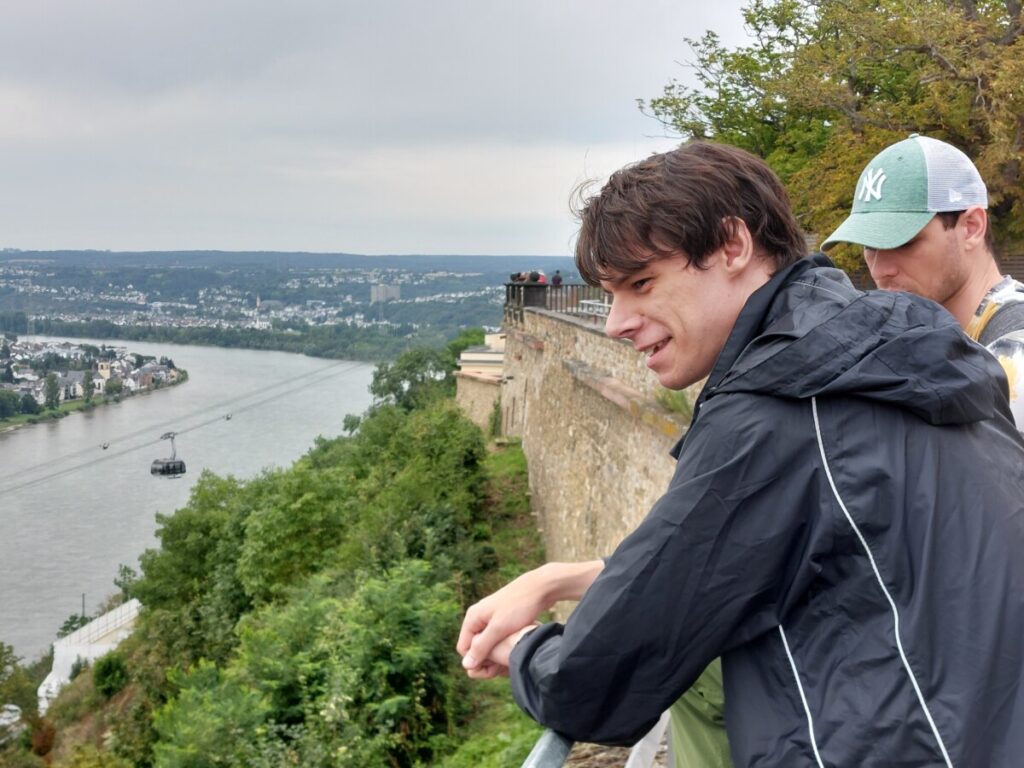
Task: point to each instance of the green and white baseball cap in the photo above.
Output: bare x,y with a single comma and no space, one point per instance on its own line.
903,188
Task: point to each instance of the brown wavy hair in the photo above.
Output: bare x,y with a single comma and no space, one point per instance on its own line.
684,201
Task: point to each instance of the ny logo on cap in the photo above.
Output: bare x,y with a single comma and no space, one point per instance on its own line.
871,185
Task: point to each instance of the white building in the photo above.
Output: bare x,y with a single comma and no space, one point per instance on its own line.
97,638
382,293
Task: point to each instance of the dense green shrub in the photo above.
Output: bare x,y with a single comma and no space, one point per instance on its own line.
391,691
214,720
110,674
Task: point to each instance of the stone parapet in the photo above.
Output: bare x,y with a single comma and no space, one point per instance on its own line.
476,396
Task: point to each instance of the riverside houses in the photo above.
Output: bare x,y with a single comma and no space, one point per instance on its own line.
114,364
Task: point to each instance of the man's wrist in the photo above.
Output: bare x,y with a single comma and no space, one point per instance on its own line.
568,581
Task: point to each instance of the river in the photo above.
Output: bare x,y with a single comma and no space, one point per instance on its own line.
72,511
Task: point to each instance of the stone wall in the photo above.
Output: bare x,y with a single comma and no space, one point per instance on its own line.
596,440
476,395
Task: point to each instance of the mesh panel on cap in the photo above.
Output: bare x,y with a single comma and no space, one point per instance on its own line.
953,182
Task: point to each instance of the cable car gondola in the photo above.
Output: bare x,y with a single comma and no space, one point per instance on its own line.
172,467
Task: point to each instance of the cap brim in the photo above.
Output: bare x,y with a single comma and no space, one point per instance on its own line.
879,229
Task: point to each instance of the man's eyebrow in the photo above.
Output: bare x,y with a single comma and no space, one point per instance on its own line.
615,282
622,279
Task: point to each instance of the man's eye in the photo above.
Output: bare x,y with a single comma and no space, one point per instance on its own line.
638,284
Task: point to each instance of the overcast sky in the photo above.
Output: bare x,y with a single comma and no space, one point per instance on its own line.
377,126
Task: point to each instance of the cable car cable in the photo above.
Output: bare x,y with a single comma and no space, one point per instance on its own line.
307,380
108,455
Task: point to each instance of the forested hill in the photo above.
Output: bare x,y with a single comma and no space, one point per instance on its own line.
503,264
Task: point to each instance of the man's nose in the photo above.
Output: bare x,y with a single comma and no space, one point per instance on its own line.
880,262
622,320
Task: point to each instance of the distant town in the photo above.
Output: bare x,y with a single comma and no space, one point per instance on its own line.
231,306
254,297
38,375
327,305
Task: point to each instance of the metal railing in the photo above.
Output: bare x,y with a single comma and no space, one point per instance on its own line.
569,298
552,749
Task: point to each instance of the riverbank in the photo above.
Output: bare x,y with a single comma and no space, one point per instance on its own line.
371,344
67,407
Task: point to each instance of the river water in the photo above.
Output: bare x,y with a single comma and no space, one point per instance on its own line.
72,511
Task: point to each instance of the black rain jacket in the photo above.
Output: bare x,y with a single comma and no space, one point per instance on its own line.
845,527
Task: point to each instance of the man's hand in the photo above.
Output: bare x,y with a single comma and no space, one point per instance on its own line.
497,663
496,623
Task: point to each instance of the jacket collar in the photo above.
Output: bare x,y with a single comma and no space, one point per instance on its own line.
748,326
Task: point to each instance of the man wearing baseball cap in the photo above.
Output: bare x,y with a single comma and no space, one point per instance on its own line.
919,210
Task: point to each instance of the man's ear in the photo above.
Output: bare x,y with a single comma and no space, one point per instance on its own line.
975,224
738,252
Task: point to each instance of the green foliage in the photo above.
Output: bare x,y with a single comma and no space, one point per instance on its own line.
500,735
391,688
110,674
281,651
348,342
77,699
675,400
422,375
292,515
494,422
72,623
826,84
10,404
125,580
87,386
470,337
13,322
8,662
213,721
113,387
17,685
190,583
16,756
52,390
78,666
88,756
414,380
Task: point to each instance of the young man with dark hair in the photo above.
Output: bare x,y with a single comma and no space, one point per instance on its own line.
838,529
920,212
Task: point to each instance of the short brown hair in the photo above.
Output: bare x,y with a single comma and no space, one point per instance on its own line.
683,201
950,218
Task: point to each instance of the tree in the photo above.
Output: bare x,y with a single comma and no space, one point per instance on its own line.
52,390
826,84
415,379
113,387
391,686
73,623
7,375
10,404
467,338
29,404
110,674
8,662
5,351
213,720
88,386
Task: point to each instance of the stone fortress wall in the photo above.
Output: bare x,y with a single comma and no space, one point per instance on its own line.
595,438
